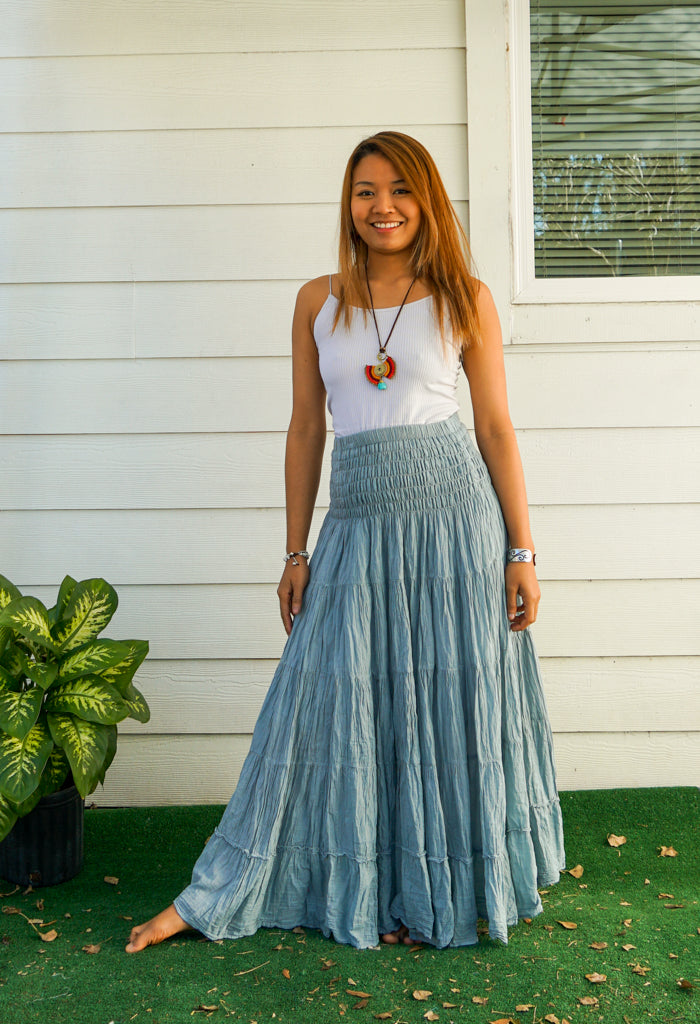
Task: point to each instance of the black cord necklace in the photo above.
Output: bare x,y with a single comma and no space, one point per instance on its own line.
385,367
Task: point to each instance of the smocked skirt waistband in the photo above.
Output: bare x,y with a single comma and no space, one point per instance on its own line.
405,467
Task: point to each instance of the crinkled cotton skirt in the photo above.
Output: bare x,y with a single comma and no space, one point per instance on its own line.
401,768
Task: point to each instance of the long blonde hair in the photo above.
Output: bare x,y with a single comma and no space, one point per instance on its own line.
441,255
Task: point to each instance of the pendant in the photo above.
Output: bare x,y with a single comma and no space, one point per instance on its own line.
385,367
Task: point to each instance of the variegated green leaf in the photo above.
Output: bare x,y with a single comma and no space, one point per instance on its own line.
92,659
22,761
29,804
8,816
109,756
89,698
19,711
121,674
64,593
29,617
16,661
85,744
41,673
136,703
7,680
8,592
92,604
55,772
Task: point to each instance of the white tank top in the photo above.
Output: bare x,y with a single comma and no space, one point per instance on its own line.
424,386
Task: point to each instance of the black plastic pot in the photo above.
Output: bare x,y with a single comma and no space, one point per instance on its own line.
46,846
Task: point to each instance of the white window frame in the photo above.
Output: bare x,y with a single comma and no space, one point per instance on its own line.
500,176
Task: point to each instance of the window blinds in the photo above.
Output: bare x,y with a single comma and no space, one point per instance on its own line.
615,138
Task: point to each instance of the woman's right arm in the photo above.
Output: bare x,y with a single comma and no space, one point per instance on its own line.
306,440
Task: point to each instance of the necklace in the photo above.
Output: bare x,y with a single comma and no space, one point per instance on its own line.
385,367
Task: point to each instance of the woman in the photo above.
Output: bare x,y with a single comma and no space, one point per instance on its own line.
400,780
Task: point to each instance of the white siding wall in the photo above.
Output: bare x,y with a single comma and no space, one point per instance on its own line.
170,174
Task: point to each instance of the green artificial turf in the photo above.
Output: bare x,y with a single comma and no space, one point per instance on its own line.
626,895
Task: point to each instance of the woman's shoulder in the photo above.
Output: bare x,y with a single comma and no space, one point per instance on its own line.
314,293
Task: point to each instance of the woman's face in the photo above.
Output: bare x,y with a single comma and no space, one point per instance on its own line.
385,214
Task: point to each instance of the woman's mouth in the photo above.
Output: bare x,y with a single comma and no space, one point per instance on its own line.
387,225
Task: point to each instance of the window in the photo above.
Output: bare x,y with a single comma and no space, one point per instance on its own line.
615,136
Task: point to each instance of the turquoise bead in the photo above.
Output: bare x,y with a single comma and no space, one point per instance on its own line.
382,385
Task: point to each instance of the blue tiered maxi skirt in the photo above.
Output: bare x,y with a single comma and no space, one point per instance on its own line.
401,768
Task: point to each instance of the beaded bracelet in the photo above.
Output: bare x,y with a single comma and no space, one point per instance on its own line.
291,554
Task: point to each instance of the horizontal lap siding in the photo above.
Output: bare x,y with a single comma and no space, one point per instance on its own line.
170,178
584,760
580,467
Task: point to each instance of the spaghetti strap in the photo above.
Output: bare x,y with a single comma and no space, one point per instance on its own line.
330,283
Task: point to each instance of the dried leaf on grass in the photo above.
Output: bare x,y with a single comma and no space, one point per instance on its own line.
111,880
597,945
524,1007
480,1000
450,1006
285,972
638,969
684,983
668,851
383,1016
204,1009
588,1000
360,1005
430,1015
614,840
48,936
596,978
577,871
421,994
95,948
360,995
568,924
628,946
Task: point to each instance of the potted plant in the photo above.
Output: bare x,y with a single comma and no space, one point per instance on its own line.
62,693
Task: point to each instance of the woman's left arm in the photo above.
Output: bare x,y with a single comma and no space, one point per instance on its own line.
496,440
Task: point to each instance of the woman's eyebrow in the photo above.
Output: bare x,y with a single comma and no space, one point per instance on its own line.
399,181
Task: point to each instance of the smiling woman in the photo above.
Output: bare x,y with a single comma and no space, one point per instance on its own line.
400,781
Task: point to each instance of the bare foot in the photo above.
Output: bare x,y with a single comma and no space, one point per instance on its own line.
160,927
399,936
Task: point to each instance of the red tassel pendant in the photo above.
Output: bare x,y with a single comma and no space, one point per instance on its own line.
380,372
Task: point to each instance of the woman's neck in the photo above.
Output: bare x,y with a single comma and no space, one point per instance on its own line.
389,269
389,276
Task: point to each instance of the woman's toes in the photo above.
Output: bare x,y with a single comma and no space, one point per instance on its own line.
137,939
161,927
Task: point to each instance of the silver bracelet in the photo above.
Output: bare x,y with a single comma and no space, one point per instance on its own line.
520,555
291,554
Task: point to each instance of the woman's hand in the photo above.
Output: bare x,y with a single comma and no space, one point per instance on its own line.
291,588
521,579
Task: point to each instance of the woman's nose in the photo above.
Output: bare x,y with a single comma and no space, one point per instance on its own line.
383,202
